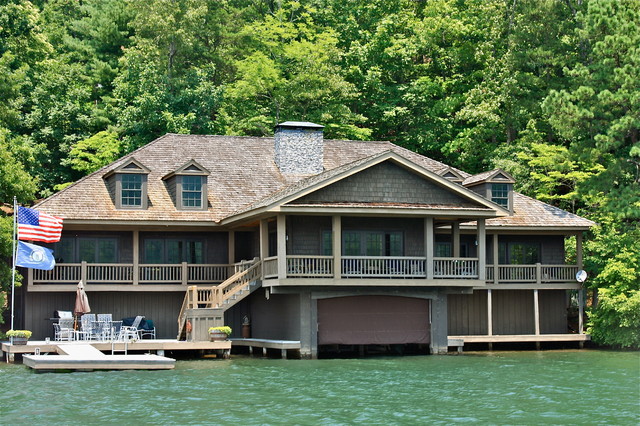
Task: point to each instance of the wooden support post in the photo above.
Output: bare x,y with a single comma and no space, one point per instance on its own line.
536,311
284,354
83,272
337,246
538,273
282,246
136,257
581,311
264,239
489,312
455,238
482,250
184,272
429,245
496,259
231,247
579,251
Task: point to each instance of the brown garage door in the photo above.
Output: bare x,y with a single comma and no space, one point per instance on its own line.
367,320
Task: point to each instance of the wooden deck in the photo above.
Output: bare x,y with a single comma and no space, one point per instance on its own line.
159,346
459,341
85,357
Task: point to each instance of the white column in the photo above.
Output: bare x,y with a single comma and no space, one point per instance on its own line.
336,238
282,246
455,238
429,245
482,250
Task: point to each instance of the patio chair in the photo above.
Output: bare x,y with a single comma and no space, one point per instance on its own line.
128,332
104,326
148,330
63,330
87,327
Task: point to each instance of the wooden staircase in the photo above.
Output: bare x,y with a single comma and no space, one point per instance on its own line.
222,296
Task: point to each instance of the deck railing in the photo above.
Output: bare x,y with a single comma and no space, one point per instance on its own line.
310,266
300,267
123,273
536,273
455,267
383,267
270,267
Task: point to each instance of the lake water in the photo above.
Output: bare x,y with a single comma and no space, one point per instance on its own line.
550,387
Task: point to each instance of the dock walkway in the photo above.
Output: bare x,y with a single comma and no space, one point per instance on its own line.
264,344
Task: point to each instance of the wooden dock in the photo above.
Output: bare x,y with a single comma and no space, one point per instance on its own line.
264,344
86,357
157,346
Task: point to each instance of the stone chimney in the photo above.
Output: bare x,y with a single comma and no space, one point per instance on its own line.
299,148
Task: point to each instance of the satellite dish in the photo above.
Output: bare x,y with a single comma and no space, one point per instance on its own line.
581,276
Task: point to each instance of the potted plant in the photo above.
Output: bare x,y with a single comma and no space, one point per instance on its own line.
219,333
19,337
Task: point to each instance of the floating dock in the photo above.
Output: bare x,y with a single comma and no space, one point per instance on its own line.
95,355
86,357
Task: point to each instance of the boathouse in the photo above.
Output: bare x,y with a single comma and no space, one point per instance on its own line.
326,242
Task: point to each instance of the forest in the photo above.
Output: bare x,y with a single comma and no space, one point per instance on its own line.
548,90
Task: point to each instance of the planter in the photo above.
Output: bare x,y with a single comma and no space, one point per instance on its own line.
217,336
20,340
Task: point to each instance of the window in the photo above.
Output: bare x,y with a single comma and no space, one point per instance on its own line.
443,250
87,249
131,192
327,243
372,243
173,251
518,253
192,192
500,194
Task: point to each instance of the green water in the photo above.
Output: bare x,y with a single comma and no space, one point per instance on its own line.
555,387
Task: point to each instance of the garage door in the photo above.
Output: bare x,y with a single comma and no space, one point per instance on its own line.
367,320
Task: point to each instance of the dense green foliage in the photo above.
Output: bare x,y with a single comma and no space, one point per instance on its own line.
547,89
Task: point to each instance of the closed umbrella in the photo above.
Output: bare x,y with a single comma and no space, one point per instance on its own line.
82,302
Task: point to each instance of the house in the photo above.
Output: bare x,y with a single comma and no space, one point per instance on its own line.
328,242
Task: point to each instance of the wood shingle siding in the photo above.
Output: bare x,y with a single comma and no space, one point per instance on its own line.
384,183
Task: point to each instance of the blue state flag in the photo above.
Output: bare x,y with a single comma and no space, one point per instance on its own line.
34,257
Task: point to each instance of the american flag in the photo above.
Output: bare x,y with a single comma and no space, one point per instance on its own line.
36,226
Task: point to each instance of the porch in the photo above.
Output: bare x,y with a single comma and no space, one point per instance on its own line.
351,267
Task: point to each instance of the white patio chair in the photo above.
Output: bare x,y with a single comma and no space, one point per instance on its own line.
87,327
105,326
129,332
63,330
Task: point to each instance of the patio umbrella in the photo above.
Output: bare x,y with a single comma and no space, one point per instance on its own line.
82,302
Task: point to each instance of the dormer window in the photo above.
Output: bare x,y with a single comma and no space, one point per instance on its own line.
188,186
131,191
128,185
500,194
191,191
495,185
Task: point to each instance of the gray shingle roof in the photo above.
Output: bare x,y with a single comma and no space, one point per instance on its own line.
243,174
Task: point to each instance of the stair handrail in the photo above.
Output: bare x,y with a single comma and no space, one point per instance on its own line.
187,303
235,282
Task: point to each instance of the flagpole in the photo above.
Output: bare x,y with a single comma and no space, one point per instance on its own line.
13,271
